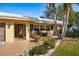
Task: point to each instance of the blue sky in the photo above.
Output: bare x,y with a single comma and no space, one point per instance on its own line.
26,9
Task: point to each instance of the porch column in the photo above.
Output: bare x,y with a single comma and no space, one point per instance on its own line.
51,30
27,32
39,27
9,32
55,29
50,27
33,30
45,28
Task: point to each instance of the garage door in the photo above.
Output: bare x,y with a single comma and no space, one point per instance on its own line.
2,28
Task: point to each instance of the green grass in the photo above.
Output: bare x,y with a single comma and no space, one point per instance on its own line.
68,48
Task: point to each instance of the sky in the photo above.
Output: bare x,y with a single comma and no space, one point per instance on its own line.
27,9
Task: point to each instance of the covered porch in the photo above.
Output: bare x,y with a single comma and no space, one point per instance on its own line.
23,31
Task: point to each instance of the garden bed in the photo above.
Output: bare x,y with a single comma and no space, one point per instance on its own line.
48,43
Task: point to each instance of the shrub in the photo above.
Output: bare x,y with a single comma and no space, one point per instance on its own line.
34,51
38,51
72,34
68,34
42,49
36,37
49,42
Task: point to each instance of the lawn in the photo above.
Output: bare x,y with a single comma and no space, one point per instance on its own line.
68,47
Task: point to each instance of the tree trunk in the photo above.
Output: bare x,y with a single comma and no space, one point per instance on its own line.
65,23
64,26
55,28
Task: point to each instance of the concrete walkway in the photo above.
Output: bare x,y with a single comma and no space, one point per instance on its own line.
14,48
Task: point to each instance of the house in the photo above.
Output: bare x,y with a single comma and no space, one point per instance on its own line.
14,26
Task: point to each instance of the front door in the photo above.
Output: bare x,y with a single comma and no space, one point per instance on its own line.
20,30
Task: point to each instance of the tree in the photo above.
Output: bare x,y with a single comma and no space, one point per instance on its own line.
67,7
50,13
77,15
76,22
54,15
62,11
72,17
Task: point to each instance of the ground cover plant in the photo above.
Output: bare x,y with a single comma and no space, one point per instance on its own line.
68,48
